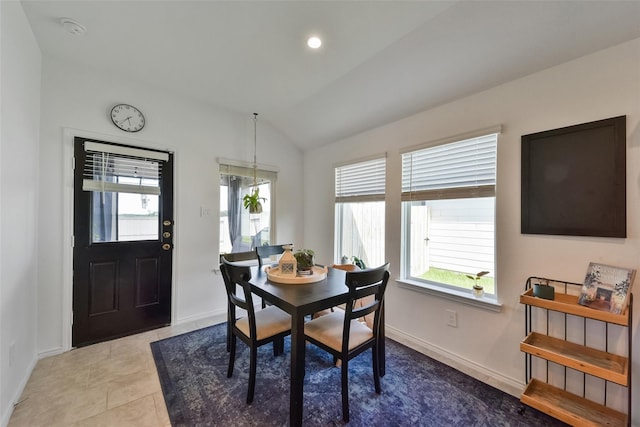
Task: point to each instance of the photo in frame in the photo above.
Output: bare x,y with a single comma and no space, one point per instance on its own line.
607,287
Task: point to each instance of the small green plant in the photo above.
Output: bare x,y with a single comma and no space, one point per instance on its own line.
304,258
477,277
357,261
253,201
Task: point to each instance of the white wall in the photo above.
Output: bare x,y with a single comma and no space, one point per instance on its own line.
20,112
602,85
80,99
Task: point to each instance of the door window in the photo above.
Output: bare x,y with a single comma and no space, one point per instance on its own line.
125,186
121,217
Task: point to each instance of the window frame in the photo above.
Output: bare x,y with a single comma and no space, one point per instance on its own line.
358,181
246,170
488,301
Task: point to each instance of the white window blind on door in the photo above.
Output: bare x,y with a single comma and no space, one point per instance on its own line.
119,169
361,182
461,169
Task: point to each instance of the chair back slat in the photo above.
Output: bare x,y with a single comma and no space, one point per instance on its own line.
266,251
359,312
238,256
370,276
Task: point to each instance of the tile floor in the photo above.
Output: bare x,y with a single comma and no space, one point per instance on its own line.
113,383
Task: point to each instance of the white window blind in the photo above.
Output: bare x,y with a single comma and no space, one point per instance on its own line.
114,168
261,174
461,169
363,181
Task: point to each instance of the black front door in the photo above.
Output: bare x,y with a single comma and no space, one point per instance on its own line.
123,240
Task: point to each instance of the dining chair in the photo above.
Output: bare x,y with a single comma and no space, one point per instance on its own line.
235,257
266,251
343,336
257,328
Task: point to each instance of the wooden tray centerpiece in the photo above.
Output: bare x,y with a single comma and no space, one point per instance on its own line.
296,268
316,274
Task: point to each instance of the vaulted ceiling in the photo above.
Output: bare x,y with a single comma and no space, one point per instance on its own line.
380,60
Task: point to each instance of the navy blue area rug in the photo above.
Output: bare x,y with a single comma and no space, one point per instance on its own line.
416,390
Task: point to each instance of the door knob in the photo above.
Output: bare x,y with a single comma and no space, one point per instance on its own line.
166,246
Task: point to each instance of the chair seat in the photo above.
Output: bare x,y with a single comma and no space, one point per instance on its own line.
328,330
269,321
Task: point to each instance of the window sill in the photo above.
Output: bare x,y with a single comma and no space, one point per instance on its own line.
450,294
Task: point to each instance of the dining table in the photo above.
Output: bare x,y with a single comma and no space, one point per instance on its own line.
301,300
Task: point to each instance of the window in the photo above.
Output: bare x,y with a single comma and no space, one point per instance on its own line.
359,212
448,214
240,230
125,186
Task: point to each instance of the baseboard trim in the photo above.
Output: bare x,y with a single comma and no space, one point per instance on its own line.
215,317
501,382
51,352
15,400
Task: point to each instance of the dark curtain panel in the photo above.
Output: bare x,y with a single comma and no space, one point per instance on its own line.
234,212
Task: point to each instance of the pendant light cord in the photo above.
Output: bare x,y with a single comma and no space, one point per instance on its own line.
255,138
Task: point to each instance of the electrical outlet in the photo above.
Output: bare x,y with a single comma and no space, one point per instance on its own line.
12,353
452,318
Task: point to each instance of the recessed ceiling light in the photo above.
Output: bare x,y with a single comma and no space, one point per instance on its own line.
73,27
314,42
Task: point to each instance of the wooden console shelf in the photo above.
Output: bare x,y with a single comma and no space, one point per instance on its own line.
559,403
601,364
568,407
569,304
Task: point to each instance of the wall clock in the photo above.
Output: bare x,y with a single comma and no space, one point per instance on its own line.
127,117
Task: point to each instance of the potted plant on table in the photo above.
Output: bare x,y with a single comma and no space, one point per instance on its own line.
478,290
304,258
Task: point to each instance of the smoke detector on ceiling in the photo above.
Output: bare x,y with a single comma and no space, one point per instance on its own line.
73,27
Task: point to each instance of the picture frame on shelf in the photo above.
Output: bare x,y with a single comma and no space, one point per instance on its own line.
607,287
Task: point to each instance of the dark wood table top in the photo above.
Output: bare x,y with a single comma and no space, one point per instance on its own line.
302,299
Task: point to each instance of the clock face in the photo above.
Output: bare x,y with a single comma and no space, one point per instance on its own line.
127,118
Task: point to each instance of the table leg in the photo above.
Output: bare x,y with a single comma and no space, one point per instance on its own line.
297,370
